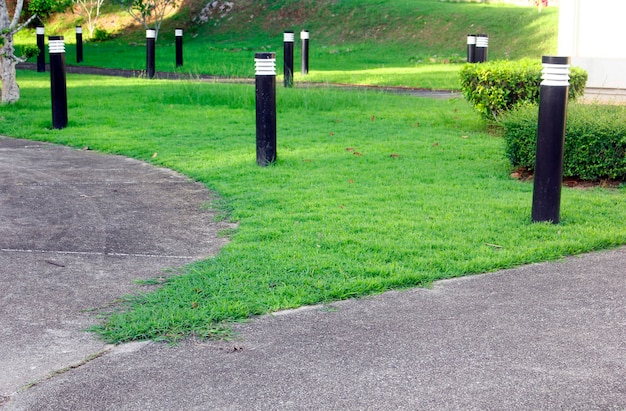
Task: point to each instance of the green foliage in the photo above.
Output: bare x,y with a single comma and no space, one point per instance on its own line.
595,142
100,34
28,51
44,8
498,86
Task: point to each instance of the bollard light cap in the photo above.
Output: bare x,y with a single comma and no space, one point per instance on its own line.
56,45
40,30
555,71
555,60
265,64
150,33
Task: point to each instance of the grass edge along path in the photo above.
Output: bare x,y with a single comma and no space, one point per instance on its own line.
371,192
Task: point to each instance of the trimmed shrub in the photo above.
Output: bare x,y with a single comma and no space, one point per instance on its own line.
499,86
595,140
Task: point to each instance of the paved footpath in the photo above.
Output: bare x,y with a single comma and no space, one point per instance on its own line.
79,228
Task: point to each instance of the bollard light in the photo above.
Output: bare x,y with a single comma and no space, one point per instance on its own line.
150,53
178,33
265,84
41,45
288,40
471,48
548,177
58,87
304,36
79,44
482,44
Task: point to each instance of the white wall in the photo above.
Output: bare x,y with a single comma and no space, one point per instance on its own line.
593,33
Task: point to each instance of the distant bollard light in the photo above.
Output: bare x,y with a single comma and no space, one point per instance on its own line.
41,45
482,48
265,82
178,33
79,44
58,87
150,53
304,36
471,48
548,177
288,40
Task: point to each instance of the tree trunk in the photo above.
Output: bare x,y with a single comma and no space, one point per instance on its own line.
10,89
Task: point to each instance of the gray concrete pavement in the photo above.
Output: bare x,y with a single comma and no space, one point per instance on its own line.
543,336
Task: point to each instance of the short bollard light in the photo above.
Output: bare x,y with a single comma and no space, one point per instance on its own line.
548,177
150,53
41,45
471,48
304,36
178,33
58,87
79,44
482,48
288,40
265,82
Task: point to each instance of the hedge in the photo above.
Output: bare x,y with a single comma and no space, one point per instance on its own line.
595,140
499,86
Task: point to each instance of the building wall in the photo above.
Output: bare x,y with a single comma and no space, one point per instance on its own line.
593,33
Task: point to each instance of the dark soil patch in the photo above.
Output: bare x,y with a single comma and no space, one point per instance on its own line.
523,174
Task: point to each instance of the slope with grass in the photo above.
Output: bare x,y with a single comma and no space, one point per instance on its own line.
398,42
371,192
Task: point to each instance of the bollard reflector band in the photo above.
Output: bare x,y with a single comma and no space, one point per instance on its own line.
471,39
56,46
40,30
304,35
150,34
482,42
178,32
79,30
289,36
555,75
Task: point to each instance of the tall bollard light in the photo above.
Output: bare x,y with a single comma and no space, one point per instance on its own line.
265,81
150,52
178,33
471,48
304,36
41,45
548,178
79,44
58,87
289,38
482,45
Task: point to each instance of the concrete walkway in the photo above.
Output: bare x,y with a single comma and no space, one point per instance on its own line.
79,228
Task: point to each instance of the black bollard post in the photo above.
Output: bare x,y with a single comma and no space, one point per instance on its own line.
150,52
179,47
41,45
265,81
57,81
79,44
289,38
304,36
482,44
471,48
548,178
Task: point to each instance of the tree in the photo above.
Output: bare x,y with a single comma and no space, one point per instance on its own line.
9,25
90,11
145,11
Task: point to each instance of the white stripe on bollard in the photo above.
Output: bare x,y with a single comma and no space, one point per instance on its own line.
56,46
265,67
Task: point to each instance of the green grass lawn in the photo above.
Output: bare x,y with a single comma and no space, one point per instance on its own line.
371,192
411,43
